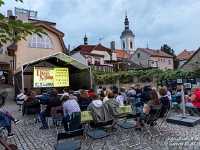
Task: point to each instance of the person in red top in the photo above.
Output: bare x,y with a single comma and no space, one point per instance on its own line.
195,97
90,93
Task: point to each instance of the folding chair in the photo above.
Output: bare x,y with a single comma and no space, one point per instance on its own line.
128,126
69,145
31,115
100,133
131,101
152,118
194,111
58,119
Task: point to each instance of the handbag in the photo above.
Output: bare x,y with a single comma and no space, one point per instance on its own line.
138,102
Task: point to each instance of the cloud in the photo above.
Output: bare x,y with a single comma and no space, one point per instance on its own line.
175,23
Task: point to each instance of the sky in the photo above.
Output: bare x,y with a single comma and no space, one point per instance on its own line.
156,22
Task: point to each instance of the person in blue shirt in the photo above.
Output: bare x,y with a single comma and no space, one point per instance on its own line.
44,96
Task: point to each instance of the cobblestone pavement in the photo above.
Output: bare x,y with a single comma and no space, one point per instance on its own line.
29,137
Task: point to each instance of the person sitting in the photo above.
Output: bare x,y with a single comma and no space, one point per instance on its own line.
178,94
53,101
193,100
106,97
154,103
131,91
122,92
32,105
138,89
113,107
99,89
20,99
98,110
65,93
72,114
119,99
71,95
5,121
83,98
28,94
145,95
90,93
164,100
102,93
44,97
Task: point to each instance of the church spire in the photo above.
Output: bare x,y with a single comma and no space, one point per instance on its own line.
126,22
85,40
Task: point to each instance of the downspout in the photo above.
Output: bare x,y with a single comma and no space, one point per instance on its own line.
22,77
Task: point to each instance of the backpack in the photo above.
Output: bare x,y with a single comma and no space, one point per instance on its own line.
102,93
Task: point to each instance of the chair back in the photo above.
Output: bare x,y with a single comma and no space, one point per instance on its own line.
131,115
70,134
103,123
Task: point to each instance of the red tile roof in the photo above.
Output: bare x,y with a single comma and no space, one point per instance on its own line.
120,53
185,54
155,53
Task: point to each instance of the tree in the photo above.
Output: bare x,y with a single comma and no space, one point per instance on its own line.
167,49
15,30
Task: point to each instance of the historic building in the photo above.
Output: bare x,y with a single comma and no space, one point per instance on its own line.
127,38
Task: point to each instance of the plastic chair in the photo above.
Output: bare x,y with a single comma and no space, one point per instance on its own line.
128,126
99,133
58,119
69,145
194,111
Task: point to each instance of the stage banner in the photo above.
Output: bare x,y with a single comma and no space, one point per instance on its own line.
50,77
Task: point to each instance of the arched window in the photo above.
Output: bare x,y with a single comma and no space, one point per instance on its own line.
131,44
123,44
40,42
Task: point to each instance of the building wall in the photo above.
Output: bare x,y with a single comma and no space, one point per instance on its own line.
80,58
193,63
127,40
182,61
163,62
4,57
143,58
25,54
106,55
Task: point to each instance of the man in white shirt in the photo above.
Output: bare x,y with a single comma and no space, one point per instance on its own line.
20,99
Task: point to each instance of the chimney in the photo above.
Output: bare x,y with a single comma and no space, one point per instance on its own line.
9,13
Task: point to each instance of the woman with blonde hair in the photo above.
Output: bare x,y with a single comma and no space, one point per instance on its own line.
83,98
106,97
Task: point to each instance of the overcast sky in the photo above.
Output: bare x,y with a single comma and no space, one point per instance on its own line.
156,22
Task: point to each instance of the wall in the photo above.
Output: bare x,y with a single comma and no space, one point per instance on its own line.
25,54
80,58
193,63
106,55
143,58
164,64
4,57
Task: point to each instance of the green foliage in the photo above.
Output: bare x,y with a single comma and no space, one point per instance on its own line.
15,30
167,49
144,75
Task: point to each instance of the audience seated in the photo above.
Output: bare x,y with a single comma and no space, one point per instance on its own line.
154,104
122,92
145,95
164,100
31,105
138,89
20,99
113,107
106,97
90,93
83,98
53,101
65,92
71,95
178,94
72,114
98,110
44,97
5,121
119,99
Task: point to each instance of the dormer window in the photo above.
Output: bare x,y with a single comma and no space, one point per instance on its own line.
40,42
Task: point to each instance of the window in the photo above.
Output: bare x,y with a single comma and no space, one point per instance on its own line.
163,60
1,50
40,42
123,44
169,62
158,60
140,63
131,44
138,55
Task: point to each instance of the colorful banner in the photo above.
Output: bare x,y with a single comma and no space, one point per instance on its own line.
50,77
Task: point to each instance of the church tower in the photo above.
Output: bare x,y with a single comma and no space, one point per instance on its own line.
127,38
85,40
